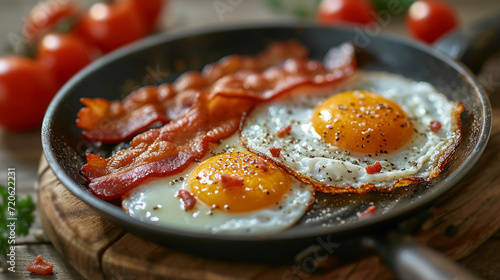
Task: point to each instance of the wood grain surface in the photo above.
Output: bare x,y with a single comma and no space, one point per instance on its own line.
78,234
98,250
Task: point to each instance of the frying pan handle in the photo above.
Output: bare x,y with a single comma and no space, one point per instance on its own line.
410,260
474,44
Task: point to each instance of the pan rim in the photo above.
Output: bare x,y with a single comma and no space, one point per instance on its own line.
116,213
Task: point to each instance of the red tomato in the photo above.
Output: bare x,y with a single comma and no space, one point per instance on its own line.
26,89
44,16
353,11
64,55
427,20
110,26
39,266
150,10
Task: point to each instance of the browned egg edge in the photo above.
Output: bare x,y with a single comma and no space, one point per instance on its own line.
123,197
438,166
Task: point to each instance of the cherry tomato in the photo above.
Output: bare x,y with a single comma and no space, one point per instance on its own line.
112,25
64,55
26,89
427,20
353,11
45,16
150,10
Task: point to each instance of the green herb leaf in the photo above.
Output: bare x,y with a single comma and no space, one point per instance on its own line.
384,4
25,209
301,12
299,9
275,6
25,218
4,245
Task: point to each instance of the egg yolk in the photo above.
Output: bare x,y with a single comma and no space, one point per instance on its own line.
238,182
363,122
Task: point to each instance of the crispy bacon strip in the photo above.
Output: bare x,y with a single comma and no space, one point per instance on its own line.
281,68
213,114
168,150
116,121
339,63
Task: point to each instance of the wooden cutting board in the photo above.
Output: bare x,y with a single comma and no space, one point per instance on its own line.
99,250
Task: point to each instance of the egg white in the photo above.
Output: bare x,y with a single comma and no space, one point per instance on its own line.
156,201
305,153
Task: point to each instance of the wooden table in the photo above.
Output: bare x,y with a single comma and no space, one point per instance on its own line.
23,151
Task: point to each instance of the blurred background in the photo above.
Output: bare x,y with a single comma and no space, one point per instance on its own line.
183,14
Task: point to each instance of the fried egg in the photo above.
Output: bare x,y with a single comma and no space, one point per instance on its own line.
261,199
371,132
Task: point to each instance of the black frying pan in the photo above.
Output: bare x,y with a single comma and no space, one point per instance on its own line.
148,62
